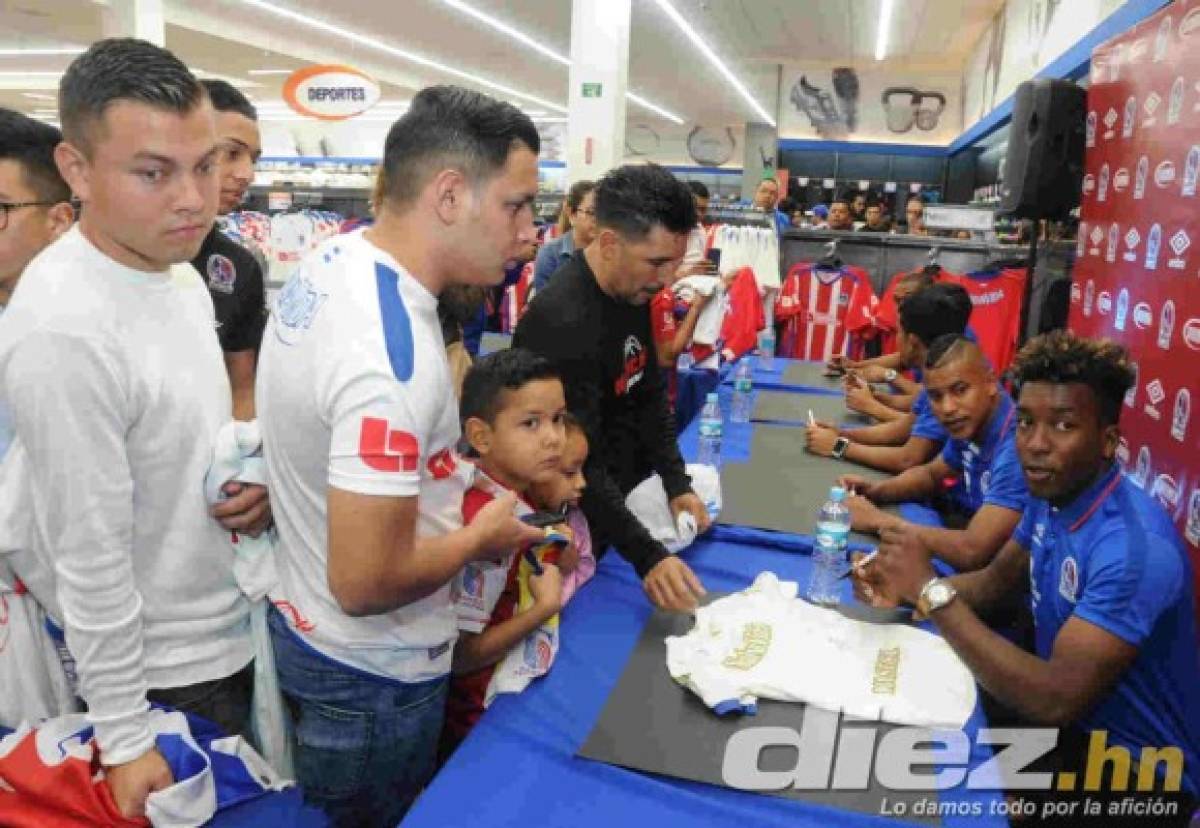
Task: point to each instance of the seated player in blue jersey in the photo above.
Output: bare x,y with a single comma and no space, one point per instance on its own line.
915,437
980,419
1109,582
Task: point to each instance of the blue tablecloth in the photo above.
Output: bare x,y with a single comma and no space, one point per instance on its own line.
518,766
772,378
691,388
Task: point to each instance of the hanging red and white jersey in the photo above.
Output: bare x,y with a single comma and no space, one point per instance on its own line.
744,316
996,311
825,312
516,299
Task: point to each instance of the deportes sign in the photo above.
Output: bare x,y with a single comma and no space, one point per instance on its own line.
330,92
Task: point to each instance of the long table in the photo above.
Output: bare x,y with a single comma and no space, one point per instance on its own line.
518,767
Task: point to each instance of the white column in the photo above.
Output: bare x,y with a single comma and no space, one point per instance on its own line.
142,19
596,100
761,149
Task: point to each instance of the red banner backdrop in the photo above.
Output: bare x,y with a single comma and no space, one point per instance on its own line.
1137,273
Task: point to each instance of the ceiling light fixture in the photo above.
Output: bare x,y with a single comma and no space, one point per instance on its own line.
71,50
270,71
232,81
501,26
27,74
38,96
412,57
708,53
520,36
885,22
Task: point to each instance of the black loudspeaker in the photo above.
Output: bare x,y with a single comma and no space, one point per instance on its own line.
1044,169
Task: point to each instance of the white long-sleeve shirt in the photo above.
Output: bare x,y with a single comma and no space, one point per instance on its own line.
116,387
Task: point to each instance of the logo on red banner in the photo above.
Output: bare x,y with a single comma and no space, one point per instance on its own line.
1096,237
1110,121
1132,239
1156,395
1102,189
1180,242
1143,316
1131,393
1129,118
1121,180
1123,452
1114,236
1138,50
1182,413
1091,129
1167,491
385,449
1164,174
1139,179
1076,293
1089,184
1163,40
1089,297
1191,170
1122,309
1191,334
1190,23
1166,325
1152,246
1176,104
1150,107
1141,473
1104,303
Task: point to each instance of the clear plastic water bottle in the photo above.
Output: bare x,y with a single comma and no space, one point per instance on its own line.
710,432
829,549
685,361
766,348
743,387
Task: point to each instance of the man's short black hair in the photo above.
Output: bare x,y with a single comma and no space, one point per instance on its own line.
842,198
949,347
698,189
451,127
1061,357
226,97
31,145
935,311
491,376
122,69
634,198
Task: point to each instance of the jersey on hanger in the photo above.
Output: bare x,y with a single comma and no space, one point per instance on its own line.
996,311
824,312
765,642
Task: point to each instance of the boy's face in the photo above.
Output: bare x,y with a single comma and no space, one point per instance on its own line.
962,393
566,487
524,443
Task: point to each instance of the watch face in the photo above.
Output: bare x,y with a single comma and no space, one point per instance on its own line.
939,594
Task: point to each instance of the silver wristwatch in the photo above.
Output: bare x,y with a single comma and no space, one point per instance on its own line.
937,593
890,375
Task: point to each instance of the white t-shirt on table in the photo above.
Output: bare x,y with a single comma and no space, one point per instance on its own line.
354,392
116,387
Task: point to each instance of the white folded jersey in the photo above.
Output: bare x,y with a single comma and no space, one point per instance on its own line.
764,642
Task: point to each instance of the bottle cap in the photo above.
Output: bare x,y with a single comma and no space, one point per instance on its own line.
837,494
712,397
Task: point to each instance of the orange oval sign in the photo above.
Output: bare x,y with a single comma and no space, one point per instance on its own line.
330,92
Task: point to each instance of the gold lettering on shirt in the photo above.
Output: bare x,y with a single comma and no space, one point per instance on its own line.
887,671
756,639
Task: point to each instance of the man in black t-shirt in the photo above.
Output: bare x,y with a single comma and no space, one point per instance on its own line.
232,274
593,322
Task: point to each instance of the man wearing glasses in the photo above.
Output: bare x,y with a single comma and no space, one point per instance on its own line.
35,205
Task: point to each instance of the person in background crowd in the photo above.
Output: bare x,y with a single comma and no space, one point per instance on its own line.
978,416
858,206
580,208
840,217
356,406
594,324
234,278
1107,578
766,197
116,388
820,215
876,222
914,216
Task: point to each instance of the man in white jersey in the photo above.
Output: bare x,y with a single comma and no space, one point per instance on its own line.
360,422
114,380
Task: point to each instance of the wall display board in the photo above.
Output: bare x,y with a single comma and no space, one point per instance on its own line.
1137,275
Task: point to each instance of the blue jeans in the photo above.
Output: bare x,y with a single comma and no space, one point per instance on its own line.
366,746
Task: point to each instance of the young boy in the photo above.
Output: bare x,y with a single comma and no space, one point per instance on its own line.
562,493
512,411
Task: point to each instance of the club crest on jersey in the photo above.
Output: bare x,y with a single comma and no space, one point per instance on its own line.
1181,415
633,365
296,307
538,651
1068,579
221,273
472,581
1192,533
442,464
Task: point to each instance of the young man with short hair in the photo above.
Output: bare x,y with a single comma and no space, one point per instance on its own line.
358,412
914,217
1108,579
978,416
593,323
233,275
876,222
839,215
766,198
109,367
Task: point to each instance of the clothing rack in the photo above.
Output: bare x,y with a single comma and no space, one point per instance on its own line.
737,216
